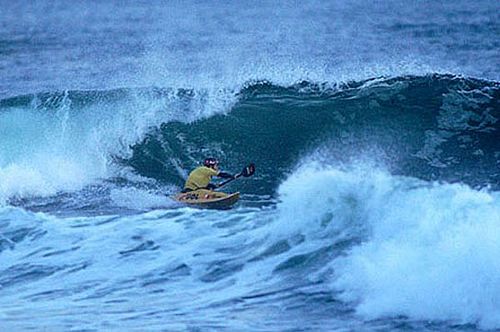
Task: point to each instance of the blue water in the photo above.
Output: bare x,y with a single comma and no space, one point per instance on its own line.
375,129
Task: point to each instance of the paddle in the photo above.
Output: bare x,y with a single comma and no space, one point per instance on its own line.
246,172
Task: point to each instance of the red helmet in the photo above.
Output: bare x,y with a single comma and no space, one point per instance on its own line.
210,162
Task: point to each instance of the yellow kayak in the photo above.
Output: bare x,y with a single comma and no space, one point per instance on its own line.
208,199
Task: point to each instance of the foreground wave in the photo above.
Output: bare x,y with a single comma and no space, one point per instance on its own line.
363,246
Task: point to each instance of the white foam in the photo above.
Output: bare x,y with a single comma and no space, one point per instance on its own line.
134,198
326,202
433,254
428,251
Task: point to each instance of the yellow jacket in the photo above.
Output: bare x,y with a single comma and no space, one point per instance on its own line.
200,178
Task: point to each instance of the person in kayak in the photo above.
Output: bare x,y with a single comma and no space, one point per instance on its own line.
200,177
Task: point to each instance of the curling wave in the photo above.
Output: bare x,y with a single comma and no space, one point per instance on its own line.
434,127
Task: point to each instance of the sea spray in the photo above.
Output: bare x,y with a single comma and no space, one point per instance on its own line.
64,141
430,254
425,250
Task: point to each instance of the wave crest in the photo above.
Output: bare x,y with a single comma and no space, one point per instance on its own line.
434,127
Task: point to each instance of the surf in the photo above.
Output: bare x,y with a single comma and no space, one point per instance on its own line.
366,244
434,127
398,245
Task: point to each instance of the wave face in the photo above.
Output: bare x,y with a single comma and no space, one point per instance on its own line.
432,127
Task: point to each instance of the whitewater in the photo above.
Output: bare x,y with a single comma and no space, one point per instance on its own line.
374,128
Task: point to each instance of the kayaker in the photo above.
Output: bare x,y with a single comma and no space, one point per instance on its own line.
200,177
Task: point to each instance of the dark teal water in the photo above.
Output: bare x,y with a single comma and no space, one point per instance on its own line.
433,127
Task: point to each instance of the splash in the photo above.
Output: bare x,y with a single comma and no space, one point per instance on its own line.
424,250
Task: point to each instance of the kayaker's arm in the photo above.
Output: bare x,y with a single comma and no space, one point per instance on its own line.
211,186
225,175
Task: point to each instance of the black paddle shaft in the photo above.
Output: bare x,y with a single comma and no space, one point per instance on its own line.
246,172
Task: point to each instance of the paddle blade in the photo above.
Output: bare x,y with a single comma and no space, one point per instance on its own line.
248,171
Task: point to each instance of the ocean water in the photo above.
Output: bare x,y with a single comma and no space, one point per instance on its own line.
374,126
